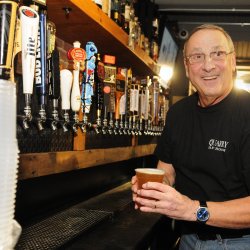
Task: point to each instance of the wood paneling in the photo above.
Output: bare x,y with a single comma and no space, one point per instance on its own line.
35,165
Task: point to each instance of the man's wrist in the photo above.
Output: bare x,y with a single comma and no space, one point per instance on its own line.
202,213
196,205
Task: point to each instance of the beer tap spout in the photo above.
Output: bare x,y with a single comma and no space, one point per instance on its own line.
121,127
66,121
98,127
111,127
75,127
86,126
26,121
75,123
55,120
27,118
83,127
41,119
105,126
116,128
55,115
125,127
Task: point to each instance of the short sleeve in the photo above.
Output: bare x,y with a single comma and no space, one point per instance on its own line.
163,147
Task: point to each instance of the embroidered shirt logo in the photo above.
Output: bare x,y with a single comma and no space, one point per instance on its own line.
217,145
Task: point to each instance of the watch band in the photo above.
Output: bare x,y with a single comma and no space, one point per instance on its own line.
203,203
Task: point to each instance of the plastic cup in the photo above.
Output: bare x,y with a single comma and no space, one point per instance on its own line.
145,175
149,174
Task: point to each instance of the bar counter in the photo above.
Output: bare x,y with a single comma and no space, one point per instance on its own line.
106,221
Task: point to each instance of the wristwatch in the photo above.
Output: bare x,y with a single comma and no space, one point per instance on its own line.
202,213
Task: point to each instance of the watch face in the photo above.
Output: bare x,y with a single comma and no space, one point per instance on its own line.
202,214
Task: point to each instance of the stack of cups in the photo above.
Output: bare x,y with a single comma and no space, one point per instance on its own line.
8,160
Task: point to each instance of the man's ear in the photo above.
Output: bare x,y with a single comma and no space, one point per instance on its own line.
234,61
186,68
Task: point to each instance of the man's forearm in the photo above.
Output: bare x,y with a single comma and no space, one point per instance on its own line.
233,214
169,172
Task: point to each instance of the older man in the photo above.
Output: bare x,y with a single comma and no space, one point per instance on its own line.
205,151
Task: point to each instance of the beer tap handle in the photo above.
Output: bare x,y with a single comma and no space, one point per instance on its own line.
98,122
146,110
53,72
99,76
118,95
78,55
17,40
66,79
111,123
29,19
75,99
130,125
88,82
75,93
105,121
121,125
7,23
55,87
140,126
41,80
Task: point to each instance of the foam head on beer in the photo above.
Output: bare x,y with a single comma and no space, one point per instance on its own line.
149,174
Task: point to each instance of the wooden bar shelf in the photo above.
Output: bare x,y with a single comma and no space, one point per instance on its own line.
42,164
86,22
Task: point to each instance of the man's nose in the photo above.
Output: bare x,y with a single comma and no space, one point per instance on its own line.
208,63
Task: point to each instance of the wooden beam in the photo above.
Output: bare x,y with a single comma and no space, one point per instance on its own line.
40,164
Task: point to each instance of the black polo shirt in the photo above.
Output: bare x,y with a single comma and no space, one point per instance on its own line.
209,148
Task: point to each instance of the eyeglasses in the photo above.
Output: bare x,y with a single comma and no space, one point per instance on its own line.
216,56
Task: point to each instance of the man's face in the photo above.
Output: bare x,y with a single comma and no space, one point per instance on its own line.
212,78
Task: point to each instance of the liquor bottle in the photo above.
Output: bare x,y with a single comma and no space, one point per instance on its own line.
146,46
154,47
122,12
127,17
127,11
137,31
115,11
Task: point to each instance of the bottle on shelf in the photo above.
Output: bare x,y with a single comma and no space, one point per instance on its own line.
146,46
122,12
115,11
137,31
132,26
154,45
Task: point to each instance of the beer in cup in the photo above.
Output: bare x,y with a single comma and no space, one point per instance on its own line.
148,174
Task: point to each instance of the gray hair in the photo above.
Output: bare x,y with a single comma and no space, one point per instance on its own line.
210,27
